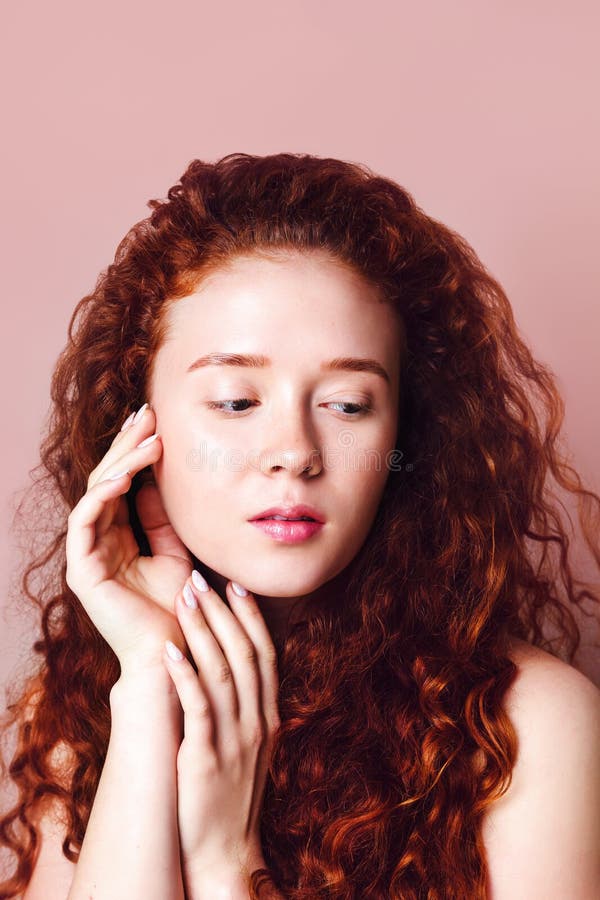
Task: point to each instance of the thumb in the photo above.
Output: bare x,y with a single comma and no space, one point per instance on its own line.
153,518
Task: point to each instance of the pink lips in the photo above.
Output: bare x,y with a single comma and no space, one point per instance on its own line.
287,532
291,512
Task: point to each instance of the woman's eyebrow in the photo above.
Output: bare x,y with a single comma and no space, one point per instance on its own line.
254,361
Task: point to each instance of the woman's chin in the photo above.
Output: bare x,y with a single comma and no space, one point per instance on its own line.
281,586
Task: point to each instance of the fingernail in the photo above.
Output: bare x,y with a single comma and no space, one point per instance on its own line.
240,591
199,581
116,475
189,597
140,413
173,651
148,440
128,421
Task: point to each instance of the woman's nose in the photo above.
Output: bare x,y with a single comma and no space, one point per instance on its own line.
295,463
291,445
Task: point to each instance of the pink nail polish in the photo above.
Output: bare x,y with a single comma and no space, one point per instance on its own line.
199,581
173,651
189,597
140,413
148,440
128,421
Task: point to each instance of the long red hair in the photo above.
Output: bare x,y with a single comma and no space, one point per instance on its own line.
372,790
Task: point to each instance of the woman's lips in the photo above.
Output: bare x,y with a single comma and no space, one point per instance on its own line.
287,532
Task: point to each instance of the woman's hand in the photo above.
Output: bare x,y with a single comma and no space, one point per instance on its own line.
230,719
128,597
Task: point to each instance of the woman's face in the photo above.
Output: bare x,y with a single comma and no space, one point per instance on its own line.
221,467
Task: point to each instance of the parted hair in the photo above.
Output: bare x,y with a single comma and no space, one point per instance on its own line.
385,703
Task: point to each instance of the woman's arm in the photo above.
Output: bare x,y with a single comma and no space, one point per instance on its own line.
131,844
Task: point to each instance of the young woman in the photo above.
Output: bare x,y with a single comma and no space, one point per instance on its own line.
298,438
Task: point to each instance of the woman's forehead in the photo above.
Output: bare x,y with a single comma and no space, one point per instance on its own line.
289,311
263,298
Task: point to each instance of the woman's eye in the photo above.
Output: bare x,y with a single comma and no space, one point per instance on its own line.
358,408
220,404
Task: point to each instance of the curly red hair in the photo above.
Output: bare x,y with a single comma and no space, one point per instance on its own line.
459,560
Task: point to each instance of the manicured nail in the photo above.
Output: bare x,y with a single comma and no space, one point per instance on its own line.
173,651
128,421
240,591
140,413
148,440
189,597
116,475
199,581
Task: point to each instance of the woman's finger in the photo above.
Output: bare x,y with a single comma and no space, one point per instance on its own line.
124,440
213,660
133,431
249,615
198,722
133,460
81,531
239,649
94,513
162,537
115,510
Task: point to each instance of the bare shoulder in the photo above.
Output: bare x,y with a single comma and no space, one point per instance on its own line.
542,676
542,837
549,700
528,655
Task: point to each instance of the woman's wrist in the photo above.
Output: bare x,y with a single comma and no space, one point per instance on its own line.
145,691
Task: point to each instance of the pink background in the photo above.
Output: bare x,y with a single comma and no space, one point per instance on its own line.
487,113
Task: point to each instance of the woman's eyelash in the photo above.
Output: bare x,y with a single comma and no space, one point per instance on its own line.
220,404
360,408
